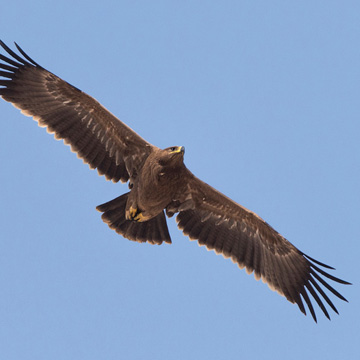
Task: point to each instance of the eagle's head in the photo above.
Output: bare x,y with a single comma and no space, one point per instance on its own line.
172,156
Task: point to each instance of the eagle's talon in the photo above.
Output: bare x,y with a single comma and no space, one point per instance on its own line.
135,214
132,212
139,217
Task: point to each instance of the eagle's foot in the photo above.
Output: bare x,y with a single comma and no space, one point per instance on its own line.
139,217
135,214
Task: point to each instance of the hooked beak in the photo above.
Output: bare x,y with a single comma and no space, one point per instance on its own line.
178,149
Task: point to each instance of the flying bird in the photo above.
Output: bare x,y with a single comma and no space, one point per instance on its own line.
160,185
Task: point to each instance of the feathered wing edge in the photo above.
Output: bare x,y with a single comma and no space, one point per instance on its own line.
220,224
97,136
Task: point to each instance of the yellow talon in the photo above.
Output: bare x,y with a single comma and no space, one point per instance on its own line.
135,215
139,217
132,212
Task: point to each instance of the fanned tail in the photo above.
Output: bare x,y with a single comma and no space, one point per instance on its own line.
154,231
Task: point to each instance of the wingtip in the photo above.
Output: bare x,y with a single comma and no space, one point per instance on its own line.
317,262
99,208
4,46
26,56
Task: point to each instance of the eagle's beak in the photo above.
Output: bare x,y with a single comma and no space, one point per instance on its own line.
178,149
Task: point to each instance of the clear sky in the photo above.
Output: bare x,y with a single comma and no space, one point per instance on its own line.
264,95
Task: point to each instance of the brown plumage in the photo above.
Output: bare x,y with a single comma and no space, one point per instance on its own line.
160,184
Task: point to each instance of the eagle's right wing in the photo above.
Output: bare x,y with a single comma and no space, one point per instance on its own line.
96,135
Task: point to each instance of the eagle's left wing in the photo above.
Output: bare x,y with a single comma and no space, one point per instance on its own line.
230,229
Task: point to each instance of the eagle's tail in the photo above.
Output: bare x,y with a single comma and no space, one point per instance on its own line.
154,231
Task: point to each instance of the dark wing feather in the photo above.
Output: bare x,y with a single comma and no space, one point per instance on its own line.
233,231
97,136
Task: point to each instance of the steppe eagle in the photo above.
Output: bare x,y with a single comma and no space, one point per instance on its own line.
160,184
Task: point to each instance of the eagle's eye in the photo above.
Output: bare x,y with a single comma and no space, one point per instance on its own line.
173,148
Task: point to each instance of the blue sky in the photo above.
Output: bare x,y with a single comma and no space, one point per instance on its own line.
265,98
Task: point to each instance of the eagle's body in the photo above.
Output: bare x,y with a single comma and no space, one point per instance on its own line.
160,184
161,180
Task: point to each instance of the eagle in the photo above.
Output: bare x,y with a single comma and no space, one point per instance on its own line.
161,185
